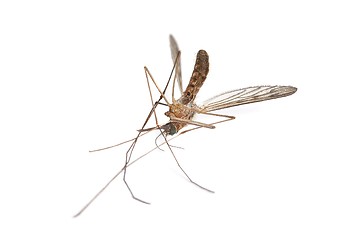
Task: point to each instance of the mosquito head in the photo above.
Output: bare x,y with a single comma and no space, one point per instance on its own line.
169,129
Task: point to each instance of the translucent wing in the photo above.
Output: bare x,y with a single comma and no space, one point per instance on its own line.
174,52
245,96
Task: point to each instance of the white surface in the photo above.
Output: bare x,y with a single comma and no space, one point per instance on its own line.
72,80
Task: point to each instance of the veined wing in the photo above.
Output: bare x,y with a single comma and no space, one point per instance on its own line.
174,52
245,96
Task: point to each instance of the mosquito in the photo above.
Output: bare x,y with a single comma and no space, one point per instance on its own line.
182,111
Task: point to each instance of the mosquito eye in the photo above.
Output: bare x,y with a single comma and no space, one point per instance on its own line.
188,94
173,130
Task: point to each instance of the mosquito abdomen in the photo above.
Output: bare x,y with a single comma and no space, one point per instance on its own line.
197,79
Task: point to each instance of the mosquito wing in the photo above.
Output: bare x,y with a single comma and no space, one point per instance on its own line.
174,52
245,96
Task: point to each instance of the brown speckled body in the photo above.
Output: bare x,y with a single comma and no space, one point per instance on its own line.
184,108
178,110
197,79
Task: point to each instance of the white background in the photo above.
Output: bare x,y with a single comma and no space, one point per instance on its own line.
72,80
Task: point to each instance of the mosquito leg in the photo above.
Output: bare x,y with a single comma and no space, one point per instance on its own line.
124,169
157,143
214,123
130,151
162,96
159,146
191,122
154,105
116,145
147,73
217,115
128,187
179,165
205,125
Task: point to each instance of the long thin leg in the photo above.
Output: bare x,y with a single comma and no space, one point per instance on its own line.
210,125
180,167
217,115
229,118
147,73
117,174
201,124
156,85
131,148
191,122
118,144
